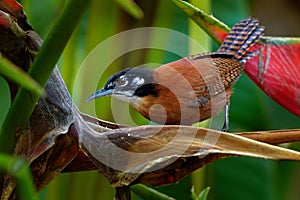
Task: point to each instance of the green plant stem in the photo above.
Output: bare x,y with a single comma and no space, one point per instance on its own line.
40,71
149,193
205,21
14,73
18,168
198,176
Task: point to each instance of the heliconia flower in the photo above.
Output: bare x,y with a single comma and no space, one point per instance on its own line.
4,20
12,7
276,70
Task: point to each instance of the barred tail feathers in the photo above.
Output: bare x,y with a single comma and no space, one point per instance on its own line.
241,37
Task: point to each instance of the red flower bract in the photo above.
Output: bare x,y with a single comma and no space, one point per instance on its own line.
277,71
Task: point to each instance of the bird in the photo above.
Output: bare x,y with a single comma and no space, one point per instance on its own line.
191,89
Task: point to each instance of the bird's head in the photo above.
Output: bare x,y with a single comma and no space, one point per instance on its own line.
128,83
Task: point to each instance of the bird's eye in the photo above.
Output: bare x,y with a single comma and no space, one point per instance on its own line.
122,82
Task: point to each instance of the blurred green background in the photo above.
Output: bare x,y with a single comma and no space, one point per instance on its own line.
231,178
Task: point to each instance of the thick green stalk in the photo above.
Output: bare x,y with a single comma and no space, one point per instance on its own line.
40,70
198,176
131,7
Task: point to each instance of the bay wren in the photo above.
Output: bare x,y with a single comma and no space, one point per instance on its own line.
191,89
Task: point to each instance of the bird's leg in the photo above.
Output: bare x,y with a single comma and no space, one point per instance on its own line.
226,121
201,101
195,103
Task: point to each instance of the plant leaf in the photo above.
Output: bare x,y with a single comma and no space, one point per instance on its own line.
202,196
11,71
19,169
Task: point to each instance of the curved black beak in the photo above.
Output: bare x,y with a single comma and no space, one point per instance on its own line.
100,93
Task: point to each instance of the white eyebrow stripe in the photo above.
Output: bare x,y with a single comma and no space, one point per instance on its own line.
138,81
